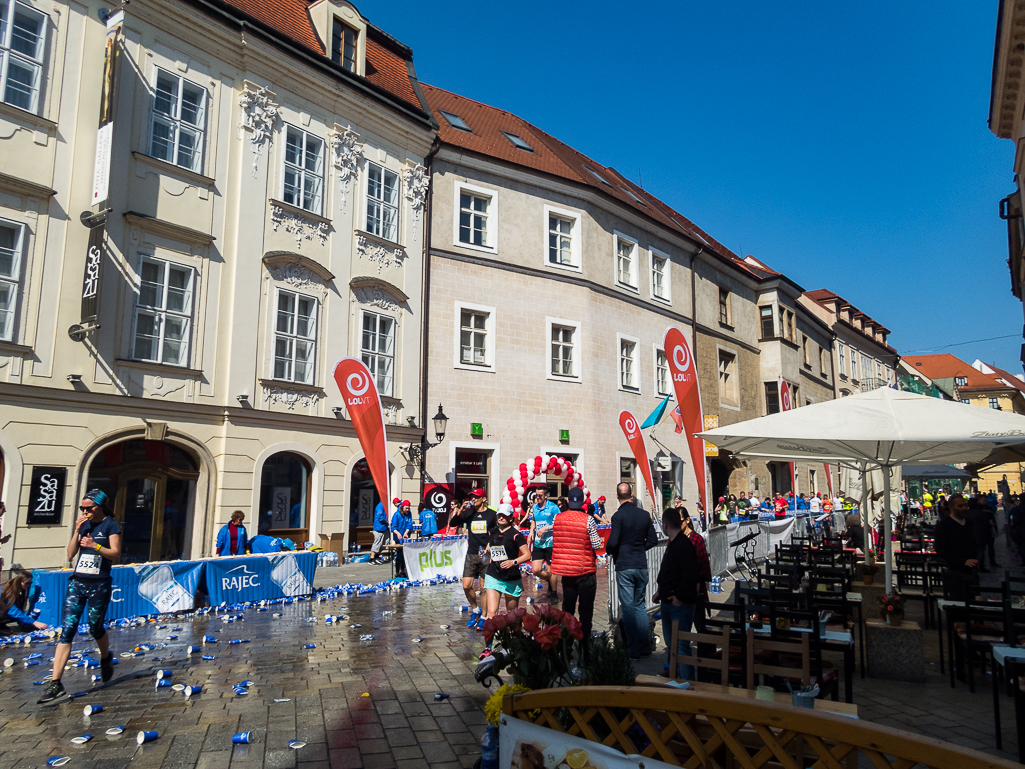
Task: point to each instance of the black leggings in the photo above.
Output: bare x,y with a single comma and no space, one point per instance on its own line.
584,588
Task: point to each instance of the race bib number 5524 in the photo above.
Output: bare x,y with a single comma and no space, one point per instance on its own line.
88,563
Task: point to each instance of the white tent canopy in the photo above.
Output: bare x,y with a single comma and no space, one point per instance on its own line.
878,429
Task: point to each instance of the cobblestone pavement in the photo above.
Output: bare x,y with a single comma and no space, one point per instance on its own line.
355,703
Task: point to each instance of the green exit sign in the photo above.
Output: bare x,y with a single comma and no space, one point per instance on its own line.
564,435
477,429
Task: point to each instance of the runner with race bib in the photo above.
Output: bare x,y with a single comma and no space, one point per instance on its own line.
479,520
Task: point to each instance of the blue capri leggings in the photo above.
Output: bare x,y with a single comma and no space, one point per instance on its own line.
80,593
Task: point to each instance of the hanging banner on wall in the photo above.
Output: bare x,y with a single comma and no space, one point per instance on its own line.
438,557
46,495
786,403
688,395
633,436
363,405
438,497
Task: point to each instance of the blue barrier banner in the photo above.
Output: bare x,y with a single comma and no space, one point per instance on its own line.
239,578
143,588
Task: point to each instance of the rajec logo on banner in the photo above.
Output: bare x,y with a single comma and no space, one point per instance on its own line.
688,396
640,451
364,407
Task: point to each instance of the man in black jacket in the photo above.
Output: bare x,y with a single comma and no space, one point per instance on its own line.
957,546
632,535
678,585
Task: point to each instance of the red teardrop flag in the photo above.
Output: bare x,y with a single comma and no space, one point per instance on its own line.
364,407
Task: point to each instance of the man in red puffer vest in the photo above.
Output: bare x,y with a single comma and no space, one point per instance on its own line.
574,540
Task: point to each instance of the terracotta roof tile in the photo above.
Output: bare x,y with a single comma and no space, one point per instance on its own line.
947,366
554,157
286,16
388,70
384,67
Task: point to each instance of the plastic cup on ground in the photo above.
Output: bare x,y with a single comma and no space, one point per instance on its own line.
143,737
91,710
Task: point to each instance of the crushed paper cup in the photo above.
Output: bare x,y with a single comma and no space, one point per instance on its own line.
207,657
242,738
296,744
282,699
162,682
82,739
178,688
114,731
58,760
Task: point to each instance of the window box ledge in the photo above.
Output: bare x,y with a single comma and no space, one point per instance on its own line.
10,348
161,369
728,327
302,213
285,384
36,121
162,166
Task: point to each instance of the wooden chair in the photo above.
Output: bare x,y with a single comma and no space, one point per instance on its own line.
758,644
721,663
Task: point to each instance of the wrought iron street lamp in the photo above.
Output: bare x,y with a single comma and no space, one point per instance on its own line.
418,451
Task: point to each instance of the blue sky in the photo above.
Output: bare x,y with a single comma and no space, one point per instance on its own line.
845,145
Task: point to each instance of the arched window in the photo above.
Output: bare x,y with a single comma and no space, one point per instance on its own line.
285,497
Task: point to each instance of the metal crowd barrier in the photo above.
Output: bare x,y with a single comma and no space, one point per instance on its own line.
720,554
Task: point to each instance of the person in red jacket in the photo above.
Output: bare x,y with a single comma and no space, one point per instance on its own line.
574,541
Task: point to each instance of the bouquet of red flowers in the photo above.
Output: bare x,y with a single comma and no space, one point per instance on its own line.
892,604
535,648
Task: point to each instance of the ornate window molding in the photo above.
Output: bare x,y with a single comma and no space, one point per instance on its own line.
300,226
259,114
291,396
346,155
415,177
375,296
298,272
385,256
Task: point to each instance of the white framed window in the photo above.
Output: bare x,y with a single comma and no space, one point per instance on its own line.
966,400
12,245
729,382
22,42
866,367
854,363
474,337
994,403
304,170
295,337
344,45
178,121
629,365
562,238
377,349
841,352
565,347
663,383
625,260
163,312
660,284
476,220
382,202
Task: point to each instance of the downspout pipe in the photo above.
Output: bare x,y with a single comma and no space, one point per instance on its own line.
426,300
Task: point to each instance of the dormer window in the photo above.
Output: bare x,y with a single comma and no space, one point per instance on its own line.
596,176
518,142
632,195
455,121
344,45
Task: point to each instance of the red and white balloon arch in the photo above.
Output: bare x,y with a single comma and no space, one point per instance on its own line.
541,466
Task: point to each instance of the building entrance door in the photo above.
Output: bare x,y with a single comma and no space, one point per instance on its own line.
151,486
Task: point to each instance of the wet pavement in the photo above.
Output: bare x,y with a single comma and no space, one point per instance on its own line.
354,703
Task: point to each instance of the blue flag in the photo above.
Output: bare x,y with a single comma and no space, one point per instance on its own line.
656,416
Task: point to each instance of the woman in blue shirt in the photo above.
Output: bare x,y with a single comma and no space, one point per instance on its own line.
14,601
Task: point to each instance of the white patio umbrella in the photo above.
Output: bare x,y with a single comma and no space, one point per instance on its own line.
878,429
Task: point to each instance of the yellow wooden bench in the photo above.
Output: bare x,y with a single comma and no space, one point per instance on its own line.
708,730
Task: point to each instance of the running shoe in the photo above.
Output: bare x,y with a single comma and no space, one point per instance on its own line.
474,616
55,691
480,624
553,596
107,667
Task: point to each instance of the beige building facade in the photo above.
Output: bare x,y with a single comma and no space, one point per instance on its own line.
266,218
